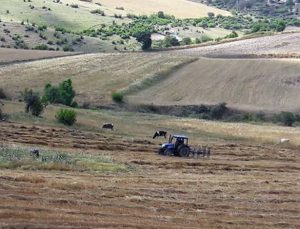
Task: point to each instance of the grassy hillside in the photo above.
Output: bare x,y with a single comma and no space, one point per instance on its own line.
80,18
61,15
95,76
254,84
141,126
178,8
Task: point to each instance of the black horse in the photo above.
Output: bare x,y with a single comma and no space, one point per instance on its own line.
160,133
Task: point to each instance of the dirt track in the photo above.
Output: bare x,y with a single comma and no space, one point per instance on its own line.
240,186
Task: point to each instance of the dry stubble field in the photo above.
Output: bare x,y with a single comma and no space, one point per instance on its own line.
244,184
241,185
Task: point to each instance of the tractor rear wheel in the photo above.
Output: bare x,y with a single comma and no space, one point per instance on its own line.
184,151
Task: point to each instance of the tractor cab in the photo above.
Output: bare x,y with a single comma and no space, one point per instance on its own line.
177,146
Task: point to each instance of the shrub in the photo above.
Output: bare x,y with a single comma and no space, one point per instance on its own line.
68,48
63,93
170,41
33,102
98,11
233,34
66,116
286,118
41,47
187,41
218,111
2,94
117,97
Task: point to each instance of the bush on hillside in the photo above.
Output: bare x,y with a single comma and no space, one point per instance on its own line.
63,93
34,103
66,116
286,118
218,111
2,94
117,97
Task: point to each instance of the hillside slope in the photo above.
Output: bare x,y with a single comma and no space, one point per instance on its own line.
285,44
254,84
95,76
178,8
79,17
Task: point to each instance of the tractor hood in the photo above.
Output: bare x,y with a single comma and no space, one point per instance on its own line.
167,145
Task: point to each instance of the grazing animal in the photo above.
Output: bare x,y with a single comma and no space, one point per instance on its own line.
160,133
35,153
284,140
108,126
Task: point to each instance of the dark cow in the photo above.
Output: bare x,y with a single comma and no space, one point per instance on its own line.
35,153
160,133
108,126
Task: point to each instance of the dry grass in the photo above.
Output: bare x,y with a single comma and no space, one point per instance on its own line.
244,184
249,84
142,126
178,8
16,55
95,76
284,44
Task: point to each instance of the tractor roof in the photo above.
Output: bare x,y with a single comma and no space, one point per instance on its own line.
180,136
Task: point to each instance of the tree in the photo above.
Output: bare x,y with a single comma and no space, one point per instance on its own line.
160,14
144,37
287,118
33,102
67,92
64,93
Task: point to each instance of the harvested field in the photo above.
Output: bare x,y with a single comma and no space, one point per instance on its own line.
9,56
248,84
95,76
241,185
280,45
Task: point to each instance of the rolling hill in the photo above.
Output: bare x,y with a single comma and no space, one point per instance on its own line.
278,45
76,15
247,84
95,76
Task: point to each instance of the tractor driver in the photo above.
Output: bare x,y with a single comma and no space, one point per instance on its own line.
179,141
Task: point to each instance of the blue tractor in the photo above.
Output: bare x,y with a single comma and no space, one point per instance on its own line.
177,146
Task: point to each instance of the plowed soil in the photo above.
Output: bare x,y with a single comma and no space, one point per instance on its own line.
240,186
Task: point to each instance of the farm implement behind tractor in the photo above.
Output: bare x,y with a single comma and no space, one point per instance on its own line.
178,146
